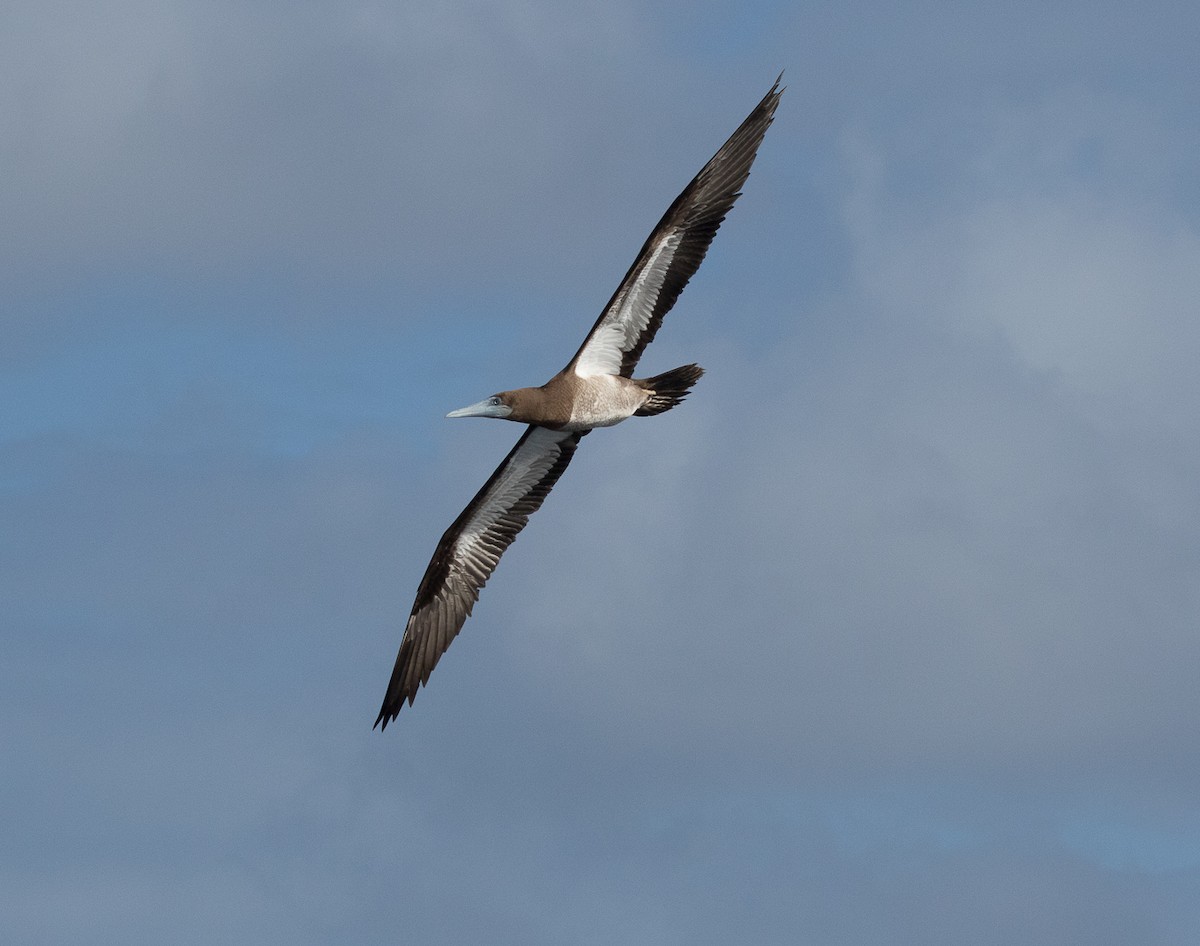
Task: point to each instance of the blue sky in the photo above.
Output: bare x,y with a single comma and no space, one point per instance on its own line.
888,636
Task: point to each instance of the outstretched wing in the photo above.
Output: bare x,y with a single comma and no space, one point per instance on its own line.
673,252
468,554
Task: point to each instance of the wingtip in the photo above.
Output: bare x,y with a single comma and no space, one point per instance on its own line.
775,92
386,715
764,112
392,705
391,711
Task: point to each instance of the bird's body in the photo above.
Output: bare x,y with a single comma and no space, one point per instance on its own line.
569,401
595,389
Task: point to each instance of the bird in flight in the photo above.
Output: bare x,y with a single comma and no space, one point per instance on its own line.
595,389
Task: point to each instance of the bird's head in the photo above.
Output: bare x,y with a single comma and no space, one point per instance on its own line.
524,405
498,405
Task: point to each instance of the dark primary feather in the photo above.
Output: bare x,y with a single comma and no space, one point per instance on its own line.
694,217
468,553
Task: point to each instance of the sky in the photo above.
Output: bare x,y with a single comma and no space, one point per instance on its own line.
889,635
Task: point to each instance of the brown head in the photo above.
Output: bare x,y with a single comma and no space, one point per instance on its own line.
524,405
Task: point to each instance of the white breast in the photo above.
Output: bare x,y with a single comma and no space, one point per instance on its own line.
605,400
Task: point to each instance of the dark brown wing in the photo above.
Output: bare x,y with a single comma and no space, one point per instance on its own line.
468,554
673,252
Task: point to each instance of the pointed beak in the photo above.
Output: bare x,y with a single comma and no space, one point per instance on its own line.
489,407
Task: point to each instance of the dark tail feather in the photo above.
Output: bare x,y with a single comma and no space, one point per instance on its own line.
668,389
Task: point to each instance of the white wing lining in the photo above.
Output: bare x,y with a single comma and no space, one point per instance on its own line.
629,315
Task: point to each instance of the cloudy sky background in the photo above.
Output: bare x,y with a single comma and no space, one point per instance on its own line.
891,635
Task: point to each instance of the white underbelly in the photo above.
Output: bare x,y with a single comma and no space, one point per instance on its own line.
604,401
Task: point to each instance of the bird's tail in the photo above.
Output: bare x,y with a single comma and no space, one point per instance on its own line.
668,389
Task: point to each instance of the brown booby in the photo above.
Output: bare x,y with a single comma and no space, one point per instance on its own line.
595,389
